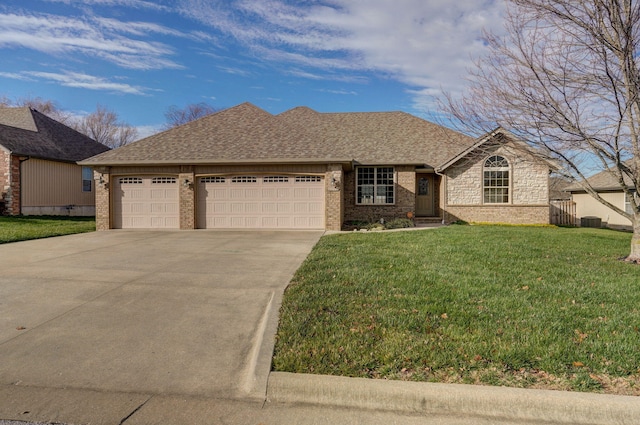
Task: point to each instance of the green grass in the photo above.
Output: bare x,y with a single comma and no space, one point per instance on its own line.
538,307
14,229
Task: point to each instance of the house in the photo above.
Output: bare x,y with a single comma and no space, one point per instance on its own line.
246,168
588,208
38,170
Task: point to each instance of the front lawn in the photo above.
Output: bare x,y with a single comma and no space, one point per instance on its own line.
537,307
14,229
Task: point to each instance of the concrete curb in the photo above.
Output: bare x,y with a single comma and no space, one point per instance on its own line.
500,403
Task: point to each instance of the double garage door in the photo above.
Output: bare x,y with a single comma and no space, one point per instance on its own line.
222,202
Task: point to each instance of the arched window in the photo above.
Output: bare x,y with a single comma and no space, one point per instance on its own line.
496,180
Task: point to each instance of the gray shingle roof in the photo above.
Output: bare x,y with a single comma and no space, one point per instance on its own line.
25,131
246,134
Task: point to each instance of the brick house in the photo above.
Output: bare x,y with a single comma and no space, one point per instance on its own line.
38,170
246,168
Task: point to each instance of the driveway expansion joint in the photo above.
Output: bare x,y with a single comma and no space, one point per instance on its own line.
126,418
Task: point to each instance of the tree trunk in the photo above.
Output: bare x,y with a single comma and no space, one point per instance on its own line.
634,256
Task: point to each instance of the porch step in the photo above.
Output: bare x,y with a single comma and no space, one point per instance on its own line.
427,221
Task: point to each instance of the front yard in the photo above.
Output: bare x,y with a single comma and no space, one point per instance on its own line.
14,229
536,307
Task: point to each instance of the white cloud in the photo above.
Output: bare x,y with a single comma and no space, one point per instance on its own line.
85,81
137,4
425,44
94,37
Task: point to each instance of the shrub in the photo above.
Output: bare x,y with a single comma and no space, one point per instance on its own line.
399,223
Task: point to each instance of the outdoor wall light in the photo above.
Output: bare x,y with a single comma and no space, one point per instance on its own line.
335,183
187,183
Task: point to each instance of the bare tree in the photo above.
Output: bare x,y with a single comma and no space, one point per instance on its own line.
565,79
103,127
176,116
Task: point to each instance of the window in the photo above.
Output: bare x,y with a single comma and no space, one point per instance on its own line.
213,180
87,179
375,185
275,179
130,180
496,180
244,179
308,179
163,180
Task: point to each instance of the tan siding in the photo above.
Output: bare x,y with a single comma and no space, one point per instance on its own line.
50,183
588,206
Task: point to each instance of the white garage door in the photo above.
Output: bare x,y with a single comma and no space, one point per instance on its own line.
146,203
261,202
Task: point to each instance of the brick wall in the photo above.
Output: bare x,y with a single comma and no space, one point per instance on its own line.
12,194
511,214
405,198
5,193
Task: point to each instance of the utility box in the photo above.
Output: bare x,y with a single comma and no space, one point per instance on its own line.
591,222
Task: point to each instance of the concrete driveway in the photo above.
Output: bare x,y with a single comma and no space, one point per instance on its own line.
145,312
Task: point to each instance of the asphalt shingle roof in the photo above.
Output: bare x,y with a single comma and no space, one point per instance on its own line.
246,134
25,131
602,181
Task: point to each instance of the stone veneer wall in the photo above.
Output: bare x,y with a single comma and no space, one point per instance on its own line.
529,190
187,197
405,198
103,209
334,190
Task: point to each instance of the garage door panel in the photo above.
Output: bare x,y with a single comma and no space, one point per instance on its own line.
144,202
271,202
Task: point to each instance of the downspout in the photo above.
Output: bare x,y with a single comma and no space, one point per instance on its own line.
20,161
444,195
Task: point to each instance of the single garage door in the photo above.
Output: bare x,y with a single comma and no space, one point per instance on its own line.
261,202
144,202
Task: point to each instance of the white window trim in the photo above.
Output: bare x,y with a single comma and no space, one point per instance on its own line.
375,173
509,186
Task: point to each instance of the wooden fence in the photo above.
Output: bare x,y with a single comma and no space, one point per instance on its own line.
562,213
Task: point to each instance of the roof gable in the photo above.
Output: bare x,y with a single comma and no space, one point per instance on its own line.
27,132
493,138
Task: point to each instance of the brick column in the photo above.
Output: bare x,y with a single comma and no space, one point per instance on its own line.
102,184
334,209
186,181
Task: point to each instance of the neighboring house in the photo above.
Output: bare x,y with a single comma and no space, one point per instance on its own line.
39,174
246,168
609,189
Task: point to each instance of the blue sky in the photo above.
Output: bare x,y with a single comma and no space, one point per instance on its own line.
139,57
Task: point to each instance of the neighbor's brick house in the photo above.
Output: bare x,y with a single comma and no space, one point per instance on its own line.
246,168
39,174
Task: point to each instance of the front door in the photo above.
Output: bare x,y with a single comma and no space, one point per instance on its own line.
424,195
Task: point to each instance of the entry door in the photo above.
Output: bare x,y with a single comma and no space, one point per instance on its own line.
424,195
